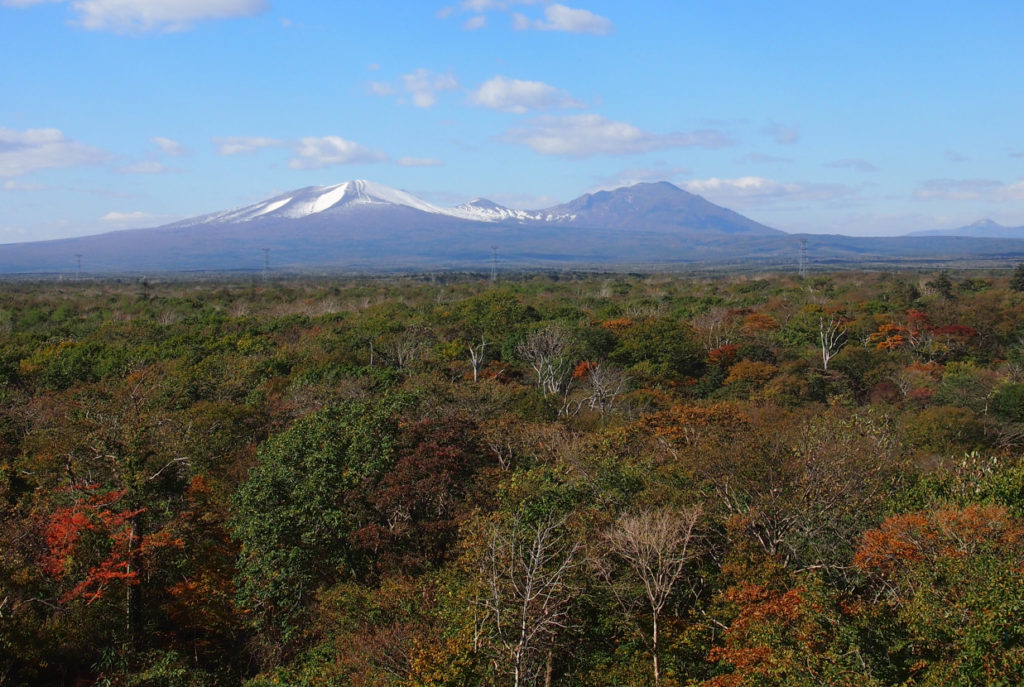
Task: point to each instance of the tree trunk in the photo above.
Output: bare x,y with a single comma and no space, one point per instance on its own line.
654,650
131,591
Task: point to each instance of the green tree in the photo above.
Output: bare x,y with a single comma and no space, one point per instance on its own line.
1017,280
294,514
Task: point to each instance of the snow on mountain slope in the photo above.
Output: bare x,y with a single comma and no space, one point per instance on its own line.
317,199
483,210
648,207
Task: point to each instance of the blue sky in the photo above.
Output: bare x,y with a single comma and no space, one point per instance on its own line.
868,118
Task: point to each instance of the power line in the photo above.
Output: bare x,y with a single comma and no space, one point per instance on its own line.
494,263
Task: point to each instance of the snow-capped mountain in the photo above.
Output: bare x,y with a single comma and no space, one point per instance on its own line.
360,224
649,207
313,200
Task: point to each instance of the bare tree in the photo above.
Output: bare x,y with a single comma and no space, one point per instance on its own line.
832,336
605,383
546,350
478,357
529,570
601,385
645,560
402,348
715,327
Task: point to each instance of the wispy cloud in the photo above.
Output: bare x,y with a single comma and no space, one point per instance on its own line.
32,150
146,167
327,151
969,189
556,17
760,158
141,16
168,146
953,156
243,145
136,217
423,86
636,175
753,190
380,88
23,186
854,163
418,162
781,134
585,135
518,96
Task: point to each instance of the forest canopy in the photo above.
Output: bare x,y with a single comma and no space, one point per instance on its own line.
563,479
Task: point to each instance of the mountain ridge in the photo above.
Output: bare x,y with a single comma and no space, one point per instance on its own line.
363,225
983,228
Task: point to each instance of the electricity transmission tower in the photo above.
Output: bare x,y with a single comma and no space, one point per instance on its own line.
494,263
803,257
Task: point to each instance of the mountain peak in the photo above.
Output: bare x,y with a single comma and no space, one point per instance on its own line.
654,206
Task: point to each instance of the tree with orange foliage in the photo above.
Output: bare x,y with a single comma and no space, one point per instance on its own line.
952,585
96,515
786,637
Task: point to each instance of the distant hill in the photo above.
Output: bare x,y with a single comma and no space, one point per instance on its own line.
985,228
363,225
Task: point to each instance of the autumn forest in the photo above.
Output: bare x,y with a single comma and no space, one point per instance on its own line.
560,479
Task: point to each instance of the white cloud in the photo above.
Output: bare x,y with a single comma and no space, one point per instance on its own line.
139,16
424,85
24,152
309,152
591,134
127,217
561,18
753,190
784,135
474,23
314,153
515,95
136,16
241,145
169,146
419,162
854,163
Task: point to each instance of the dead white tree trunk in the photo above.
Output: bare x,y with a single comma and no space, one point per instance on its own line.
832,336
477,357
